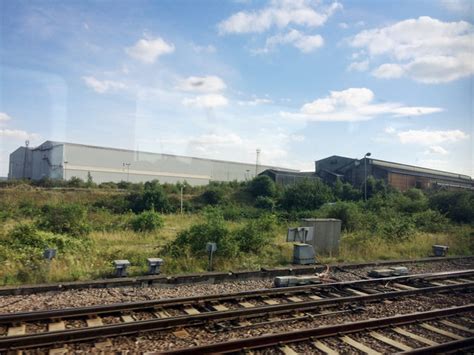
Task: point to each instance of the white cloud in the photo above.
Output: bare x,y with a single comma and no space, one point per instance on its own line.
425,49
255,102
103,86
354,104
458,6
202,84
18,134
343,25
388,71
148,50
431,137
436,149
206,101
4,117
305,43
204,49
280,14
359,66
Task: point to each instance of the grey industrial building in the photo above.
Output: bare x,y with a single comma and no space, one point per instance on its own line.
399,176
355,171
59,160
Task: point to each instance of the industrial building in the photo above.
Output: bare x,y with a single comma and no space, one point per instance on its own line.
399,176
59,160
355,171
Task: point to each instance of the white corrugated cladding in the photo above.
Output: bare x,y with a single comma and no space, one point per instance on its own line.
65,160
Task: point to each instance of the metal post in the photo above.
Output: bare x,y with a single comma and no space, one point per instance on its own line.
365,179
365,175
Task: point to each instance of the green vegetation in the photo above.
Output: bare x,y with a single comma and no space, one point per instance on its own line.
90,225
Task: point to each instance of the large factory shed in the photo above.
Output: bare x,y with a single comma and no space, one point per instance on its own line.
58,160
400,176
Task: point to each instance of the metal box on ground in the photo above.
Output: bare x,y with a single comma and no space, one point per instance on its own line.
440,250
303,254
326,234
154,265
121,267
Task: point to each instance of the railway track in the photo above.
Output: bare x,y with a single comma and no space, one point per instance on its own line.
413,333
49,328
210,277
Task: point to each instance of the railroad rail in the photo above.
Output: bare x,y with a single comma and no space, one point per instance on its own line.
209,277
395,334
130,318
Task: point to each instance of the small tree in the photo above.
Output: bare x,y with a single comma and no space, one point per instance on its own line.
262,185
147,221
64,218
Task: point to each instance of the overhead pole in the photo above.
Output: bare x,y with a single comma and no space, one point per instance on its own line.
257,161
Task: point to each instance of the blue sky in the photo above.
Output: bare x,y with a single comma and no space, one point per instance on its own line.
300,80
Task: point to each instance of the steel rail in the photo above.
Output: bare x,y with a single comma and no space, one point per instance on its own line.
8,318
321,332
208,277
84,334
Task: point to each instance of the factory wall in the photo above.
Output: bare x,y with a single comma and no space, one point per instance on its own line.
65,160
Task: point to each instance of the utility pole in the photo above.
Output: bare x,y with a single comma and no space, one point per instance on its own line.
257,161
365,175
128,169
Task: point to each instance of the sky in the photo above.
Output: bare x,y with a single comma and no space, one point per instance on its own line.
298,79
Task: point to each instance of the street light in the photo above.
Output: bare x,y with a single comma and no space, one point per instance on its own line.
128,169
365,180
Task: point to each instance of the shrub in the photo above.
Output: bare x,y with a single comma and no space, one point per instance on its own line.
152,197
256,234
306,195
264,202
457,205
430,221
147,221
397,228
195,238
65,219
27,240
348,212
411,201
213,195
262,185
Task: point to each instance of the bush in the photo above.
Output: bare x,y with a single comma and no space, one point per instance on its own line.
306,195
457,205
213,195
256,234
153,197
262,185
27,240
430,221
147,221
348,212
397,229
266,203
64,219
195,238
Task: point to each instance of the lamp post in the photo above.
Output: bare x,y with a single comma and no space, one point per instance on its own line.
365,175
128,169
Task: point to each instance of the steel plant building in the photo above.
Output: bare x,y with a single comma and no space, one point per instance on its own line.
60,160
399,176
354,171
